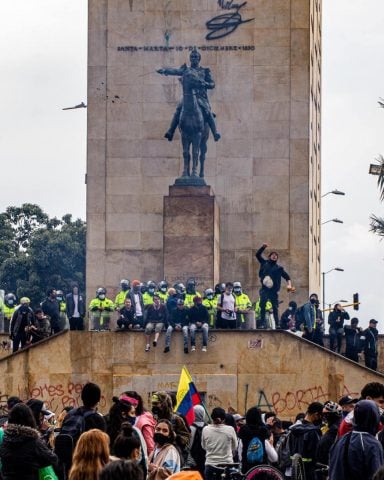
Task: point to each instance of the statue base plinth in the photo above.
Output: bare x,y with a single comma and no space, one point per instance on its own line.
191,235
190,181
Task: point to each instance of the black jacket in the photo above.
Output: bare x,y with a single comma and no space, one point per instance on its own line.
52,309
271,269
179,317
371,336
22,453
71,305
336,319
198,313
304,439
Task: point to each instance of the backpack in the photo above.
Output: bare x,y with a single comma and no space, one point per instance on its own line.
255,451
197,451
283,452
74,423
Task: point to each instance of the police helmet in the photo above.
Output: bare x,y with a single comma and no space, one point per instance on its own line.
179,287
125,282
208,293
101,291
163,286
143,287
10,299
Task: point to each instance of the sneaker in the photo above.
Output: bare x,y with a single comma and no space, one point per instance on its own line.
186,350
193,348
154,343
204,349
147,347
166,349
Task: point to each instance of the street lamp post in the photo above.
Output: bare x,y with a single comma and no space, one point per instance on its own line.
335,220
334,192
337,269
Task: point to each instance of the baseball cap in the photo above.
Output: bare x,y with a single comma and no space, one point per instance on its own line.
373,321
238,417
347,400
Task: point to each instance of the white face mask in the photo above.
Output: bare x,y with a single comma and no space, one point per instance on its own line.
101,297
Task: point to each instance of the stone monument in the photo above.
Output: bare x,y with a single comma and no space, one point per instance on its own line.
264,171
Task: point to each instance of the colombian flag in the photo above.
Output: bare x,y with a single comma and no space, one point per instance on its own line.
187,396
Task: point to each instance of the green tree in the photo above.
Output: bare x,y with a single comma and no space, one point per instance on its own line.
40,252
377,223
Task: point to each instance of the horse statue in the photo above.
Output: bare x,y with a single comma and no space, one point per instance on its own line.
193,126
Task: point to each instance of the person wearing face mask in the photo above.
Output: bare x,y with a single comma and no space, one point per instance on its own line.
336,320
270,275
287,320
22,319
310,312
125,286
162,409
137,302
165,458
157,317
304,438
163,291
10,304
191,292
51,308
243,305
148,295
210,303
226,305
101,308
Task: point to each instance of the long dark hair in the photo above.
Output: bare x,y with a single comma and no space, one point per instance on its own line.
126,441
116,418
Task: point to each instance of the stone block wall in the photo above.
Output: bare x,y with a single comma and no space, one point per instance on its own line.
259,170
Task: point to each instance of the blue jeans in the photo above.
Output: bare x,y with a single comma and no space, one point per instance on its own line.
204,328
168,336
212,473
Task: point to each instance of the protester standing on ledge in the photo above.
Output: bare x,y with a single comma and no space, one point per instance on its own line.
270,274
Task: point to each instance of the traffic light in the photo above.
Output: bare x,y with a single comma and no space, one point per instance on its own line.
356,301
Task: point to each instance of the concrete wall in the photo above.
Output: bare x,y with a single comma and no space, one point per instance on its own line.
259,170
274,370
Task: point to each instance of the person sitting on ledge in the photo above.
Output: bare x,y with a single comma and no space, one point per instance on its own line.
156,319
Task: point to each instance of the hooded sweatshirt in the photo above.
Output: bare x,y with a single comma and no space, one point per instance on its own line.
358,454
23,453
304,440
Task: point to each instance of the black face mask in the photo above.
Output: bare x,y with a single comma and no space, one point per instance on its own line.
160,438
156,410
313,301
23,309
131,420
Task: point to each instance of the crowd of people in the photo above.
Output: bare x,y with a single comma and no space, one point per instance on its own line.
155,308
158,307
337,440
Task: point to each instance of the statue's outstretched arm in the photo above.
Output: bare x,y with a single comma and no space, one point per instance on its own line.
172,71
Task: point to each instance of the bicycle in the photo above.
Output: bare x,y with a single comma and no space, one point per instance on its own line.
230,471
298,472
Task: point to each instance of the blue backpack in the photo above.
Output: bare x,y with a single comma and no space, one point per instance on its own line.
255,451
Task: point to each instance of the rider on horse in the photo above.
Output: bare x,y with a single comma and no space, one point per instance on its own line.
201,94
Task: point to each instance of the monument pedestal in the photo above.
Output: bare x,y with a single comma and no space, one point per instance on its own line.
191,235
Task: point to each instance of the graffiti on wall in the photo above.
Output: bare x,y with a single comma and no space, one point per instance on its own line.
56,396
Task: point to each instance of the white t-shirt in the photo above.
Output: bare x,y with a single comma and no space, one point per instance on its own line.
138,310
228,304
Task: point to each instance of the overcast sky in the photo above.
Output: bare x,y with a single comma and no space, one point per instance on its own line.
43,149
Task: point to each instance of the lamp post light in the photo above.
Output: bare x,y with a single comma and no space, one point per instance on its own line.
336,269
335,220
334,192
376,169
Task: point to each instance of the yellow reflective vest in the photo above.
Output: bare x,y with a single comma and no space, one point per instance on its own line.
243,303
211,306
